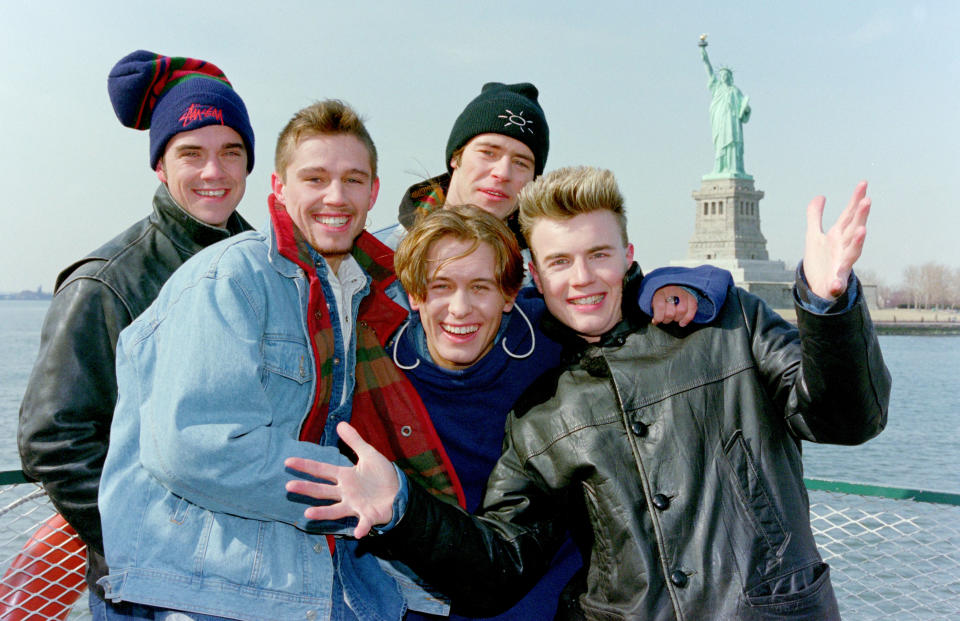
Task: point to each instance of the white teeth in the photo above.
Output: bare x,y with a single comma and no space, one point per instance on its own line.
593,299
331,220
212,193
460,330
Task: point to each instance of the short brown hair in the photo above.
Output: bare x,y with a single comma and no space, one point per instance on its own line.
568,192
330,116
465,223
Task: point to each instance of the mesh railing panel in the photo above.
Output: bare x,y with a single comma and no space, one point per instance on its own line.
889,559
41,560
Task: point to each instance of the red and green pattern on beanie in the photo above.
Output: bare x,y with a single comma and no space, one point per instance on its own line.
173,94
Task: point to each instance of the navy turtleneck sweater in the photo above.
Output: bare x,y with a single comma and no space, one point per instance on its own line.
469,409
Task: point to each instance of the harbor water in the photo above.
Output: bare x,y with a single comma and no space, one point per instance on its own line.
918,449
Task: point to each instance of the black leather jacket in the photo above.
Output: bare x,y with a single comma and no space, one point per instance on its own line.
68,405
681,449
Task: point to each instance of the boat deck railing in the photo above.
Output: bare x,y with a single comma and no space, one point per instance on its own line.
894,553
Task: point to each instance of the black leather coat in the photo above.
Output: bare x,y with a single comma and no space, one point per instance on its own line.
68,405
681,448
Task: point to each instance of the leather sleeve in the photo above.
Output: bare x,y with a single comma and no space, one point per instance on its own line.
827,374
484,563
68,405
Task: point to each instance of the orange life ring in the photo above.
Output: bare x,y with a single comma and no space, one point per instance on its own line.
46,578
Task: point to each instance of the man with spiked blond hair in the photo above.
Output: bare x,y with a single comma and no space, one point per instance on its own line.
679,445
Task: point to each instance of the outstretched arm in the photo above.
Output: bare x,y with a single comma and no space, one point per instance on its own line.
828,258
365,491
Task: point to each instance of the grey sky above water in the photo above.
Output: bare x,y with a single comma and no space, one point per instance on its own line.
840,92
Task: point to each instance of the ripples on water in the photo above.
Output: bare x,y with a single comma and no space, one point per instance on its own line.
918,449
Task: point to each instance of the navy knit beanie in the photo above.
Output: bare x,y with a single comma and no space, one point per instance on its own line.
508,109
170,95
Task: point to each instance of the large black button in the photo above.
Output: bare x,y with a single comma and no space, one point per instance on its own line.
639,429
679,579
661,502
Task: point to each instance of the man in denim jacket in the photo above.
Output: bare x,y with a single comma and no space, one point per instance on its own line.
247,357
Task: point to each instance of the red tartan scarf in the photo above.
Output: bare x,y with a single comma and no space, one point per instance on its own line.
387,411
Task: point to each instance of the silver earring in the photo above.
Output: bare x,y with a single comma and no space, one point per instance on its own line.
533,338
396,343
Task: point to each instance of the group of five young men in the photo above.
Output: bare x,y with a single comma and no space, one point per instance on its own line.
671,453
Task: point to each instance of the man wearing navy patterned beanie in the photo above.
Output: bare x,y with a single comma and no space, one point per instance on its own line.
201,147
498,144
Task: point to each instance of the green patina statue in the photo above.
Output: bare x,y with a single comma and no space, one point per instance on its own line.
729,110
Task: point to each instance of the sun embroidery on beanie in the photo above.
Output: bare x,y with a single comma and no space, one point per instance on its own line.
518,120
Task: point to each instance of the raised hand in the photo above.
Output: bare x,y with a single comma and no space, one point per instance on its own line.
673,303
365,491
828,257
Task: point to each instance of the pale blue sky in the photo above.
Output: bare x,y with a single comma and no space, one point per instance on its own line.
840,91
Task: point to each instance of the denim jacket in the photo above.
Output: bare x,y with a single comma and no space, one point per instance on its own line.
215,381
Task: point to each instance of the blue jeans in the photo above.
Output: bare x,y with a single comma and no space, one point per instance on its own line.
129,611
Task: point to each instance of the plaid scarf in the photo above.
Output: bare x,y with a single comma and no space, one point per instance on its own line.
386,411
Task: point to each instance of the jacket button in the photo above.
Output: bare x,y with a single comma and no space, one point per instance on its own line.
639,429
661,502
679,579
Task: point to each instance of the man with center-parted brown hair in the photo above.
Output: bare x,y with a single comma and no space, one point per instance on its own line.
254,351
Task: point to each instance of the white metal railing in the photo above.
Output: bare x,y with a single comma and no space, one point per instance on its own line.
893,553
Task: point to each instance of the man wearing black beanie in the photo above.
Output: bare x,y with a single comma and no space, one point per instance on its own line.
201,149
498,144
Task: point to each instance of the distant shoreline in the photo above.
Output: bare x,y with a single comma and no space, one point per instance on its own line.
904,321
27,295
886,320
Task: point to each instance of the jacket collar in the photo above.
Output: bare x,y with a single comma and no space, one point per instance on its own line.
425,196
186,231
574,345
374,257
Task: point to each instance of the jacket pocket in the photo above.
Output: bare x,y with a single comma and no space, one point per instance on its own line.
803,594
287,357
757,529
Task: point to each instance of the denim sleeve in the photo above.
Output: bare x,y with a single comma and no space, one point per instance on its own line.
399,502
813,303
709,282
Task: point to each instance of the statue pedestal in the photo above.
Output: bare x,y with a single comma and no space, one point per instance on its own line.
727,234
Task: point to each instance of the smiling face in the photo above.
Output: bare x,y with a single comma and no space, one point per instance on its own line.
579,267
491,171
327,188
206,172
463,306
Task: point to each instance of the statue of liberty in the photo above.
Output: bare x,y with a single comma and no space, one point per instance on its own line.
729,110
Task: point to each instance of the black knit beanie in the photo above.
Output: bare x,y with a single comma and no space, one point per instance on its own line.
508,109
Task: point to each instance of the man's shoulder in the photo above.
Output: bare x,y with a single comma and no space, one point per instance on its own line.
390,236
98,261
237,255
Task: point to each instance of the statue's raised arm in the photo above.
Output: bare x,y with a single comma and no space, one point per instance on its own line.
703,55
729,109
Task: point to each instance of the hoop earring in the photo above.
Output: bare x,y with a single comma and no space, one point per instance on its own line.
396,343
533,338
